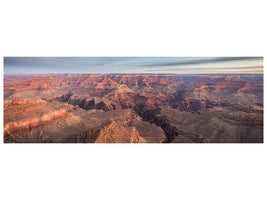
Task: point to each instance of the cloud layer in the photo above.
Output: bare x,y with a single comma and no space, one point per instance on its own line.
182,65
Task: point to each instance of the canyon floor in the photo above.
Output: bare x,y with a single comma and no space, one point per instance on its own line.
133,108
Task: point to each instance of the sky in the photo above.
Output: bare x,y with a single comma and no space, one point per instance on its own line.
179,65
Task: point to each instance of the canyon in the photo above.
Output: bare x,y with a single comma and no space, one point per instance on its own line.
133,108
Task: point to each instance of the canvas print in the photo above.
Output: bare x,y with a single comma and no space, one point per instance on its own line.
133,100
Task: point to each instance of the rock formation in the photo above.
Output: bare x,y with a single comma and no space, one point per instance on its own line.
133,108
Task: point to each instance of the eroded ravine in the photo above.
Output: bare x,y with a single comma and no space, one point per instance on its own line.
183,107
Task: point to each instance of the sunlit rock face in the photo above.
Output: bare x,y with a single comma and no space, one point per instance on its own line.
133,108
117,133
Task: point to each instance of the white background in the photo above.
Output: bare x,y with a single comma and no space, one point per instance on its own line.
132,28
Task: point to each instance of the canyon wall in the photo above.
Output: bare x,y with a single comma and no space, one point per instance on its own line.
138,108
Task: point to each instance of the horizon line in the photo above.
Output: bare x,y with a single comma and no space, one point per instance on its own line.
235,73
